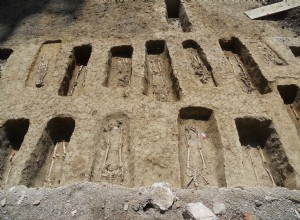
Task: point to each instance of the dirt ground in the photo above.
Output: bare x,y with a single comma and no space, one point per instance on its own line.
136,92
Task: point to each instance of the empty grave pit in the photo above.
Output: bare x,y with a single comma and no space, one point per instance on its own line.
199,63
113,162
4,55
177,16
244,67
119,67
76,70
43,64
12,134
160,81
264,162
200,149
290,95
44,168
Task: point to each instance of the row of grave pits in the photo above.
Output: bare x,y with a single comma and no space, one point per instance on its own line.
263,159
159,81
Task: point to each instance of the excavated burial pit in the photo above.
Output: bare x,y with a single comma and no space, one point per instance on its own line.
263,155
160,81
244,67
44,168
202,68
76,70
113,161
295,51
268,54
119,67
290,95
4,55
199,138
177,16
43,63
12,134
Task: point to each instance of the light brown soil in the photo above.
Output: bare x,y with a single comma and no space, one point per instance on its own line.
119,111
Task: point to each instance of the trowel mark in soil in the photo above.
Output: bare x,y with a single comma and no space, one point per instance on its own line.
76,70
264,160
290,95
45,165
12,134
4,55
244,67
113,161
199,63
160,81
119,67
269,55
200,151
43,64
177,16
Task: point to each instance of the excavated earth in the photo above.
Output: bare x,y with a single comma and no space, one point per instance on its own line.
101,99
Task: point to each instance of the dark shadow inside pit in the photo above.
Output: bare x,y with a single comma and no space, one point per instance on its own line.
235,46
260,133
173,8
155,47
12,134
57,130
159,80
15,130
5,53
77,61
295,51
288,93
119,66
196,113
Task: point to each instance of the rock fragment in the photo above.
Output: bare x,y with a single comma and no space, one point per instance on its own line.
219,208
125,207
3,202
162,197
36,202
249,216
74,213
198,211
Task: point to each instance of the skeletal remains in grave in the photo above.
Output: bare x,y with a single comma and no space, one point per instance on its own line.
41,72
2,63
200,71
54,156
264,163
243,76
190,172
159,89
112,171
78,69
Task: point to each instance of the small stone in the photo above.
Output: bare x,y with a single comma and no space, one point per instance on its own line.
219,208
36,202
270,198
74,213
162,197
198,211
3,202
125,207
257,203
249,216
136,207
